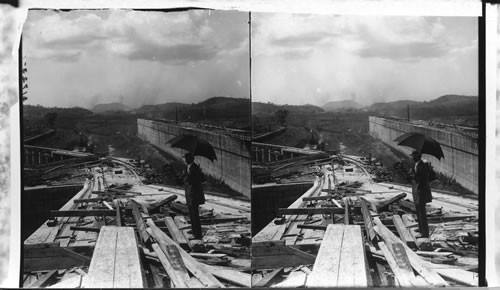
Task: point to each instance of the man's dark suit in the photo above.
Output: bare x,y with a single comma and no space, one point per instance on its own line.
421,195
193,177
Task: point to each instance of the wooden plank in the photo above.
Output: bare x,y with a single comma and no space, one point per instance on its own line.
416,262
367,219
101,271
176,235
70,283
42,281
127,267
309,211
403,232
139,221
86,229
404,277
460,276
118,213
177,280
81,213
326,267
268,278
86,200
159,204
385,204
107,205
235,277
295,279
192,265
346,211
312,227
316,198
352,266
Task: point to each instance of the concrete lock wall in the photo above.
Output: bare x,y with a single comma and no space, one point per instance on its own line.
233,154
460,151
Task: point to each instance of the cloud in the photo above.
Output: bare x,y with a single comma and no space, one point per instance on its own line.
178,54
81,58
136,35
318,58
410,51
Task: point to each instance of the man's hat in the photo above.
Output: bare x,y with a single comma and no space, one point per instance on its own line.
415,152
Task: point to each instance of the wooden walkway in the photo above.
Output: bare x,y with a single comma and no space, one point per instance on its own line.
341,259
115,262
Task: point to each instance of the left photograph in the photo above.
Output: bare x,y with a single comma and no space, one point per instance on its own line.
136,149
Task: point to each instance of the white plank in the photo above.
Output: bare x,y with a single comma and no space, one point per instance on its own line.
352,267
326,267
101,270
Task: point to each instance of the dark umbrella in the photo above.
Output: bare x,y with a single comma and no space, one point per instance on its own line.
194,145
422,143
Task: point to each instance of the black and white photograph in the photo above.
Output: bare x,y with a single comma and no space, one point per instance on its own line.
365,152
249,144
136,158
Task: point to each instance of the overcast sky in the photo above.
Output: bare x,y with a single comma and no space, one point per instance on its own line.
300,59
81,58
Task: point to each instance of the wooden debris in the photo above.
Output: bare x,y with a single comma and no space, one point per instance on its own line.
403,232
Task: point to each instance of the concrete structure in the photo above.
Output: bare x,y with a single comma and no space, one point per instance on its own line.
461,150
233,150
263,152
35,156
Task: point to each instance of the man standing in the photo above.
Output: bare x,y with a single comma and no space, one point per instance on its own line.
193,177
421,191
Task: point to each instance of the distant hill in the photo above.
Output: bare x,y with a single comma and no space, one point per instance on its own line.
270,108
33,112
217,109
111,107
341,105
444,106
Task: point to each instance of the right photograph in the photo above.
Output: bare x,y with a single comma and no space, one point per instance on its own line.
365,151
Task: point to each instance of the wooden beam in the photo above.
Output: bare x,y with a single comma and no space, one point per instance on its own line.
139,221
403,232
385,204
192,265
416,262
178,279
118,213
230,275
165,201
402,274
367,219
85,229
312,227
309,211
86,200
81,213
176,235
346,211
267,279
316,198
42,281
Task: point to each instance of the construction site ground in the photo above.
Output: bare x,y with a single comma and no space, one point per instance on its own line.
348,230
117,220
